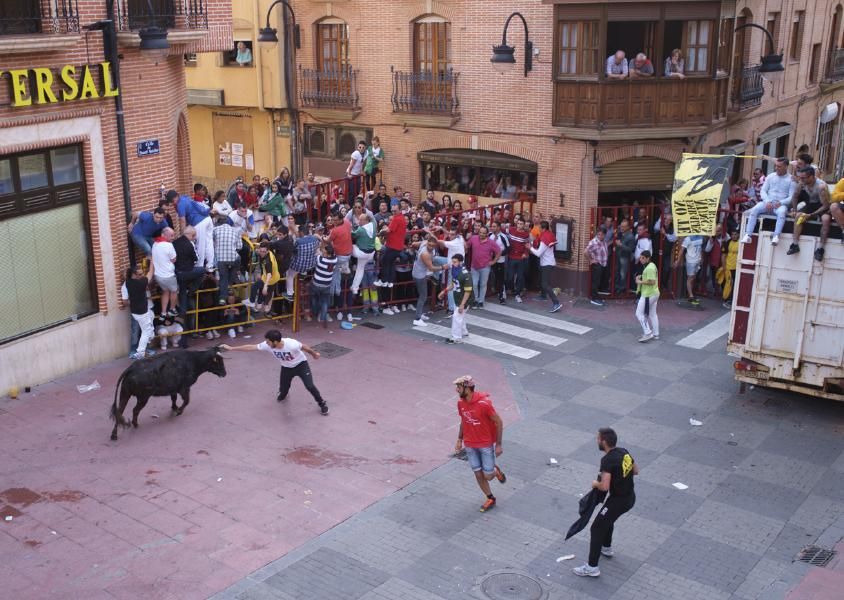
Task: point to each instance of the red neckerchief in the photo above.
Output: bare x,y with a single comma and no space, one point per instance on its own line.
646,235
160,239
200,199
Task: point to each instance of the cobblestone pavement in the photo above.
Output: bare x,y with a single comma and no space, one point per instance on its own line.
764,473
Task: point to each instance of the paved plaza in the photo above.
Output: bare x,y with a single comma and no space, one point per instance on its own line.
242,498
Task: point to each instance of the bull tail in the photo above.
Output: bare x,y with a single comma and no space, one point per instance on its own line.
114,413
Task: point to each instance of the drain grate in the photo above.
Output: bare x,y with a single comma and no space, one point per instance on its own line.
509,585
369,325
329,350
815,556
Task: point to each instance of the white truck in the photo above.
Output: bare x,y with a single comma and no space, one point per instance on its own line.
787,323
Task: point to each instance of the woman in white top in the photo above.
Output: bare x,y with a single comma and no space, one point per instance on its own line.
221,206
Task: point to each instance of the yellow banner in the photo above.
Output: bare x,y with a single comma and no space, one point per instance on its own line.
700,180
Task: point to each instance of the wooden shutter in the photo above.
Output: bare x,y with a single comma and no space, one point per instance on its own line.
643,173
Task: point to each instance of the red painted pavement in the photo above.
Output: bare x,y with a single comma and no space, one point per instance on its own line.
822,583
185,506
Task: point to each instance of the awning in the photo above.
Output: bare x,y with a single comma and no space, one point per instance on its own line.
639,174
477,158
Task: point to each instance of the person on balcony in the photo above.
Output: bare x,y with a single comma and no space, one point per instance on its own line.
244,55
617,66
675,66
640,67
778,190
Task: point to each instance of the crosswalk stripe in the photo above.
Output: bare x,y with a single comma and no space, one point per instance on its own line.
527,334
481,342
708,334
538,319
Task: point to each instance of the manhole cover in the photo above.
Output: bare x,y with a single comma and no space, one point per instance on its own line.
815,555
511,586
371,325
329,350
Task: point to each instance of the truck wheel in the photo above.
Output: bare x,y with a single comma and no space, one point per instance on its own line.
742,388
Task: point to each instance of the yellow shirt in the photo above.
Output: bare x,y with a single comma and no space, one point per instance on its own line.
732,255
837,194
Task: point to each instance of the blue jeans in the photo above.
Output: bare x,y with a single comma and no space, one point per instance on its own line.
482,459
388,264
228,273
516,270
144,244
421,296
320,297
479,280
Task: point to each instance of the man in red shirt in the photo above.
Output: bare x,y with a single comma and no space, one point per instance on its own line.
340,236
481,431
396,232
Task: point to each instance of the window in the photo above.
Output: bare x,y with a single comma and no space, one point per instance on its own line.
332,47
825,137
697,46
772,25
48,276
725,45
485,182
796,41
431,46
20,17
190,59
240,55
579,47
815,65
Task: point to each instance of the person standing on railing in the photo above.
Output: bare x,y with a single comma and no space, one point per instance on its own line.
395,232
227,246
374,158
355,169
284,249
197,214
261,297
145,227
363,250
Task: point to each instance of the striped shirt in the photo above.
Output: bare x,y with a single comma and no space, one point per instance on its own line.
324,272
519,241
305,257
226,243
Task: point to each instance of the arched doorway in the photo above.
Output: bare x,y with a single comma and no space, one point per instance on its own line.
183,170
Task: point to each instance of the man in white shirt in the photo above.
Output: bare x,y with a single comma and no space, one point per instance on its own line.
163,259
693,252
290,354
355,170
776,195
244,221
453,244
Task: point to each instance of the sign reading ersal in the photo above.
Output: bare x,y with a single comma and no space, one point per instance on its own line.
699,182
68,84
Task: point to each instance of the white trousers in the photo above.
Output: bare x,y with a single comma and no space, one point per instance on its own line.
205,243
289,278
364,258
458,324
147,331
649,320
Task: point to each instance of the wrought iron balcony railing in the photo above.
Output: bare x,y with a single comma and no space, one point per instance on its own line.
750,89
133,15
328,89
425,92
20,17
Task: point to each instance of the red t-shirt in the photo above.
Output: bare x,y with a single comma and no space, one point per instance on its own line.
341,237
396,232
479,431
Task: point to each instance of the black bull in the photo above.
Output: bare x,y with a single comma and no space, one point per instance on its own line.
163,375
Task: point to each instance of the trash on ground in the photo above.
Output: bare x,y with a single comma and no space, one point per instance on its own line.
513,374
680,486
246,337
81,413
308,492
695,422
9,517
54,533
566,557
88,388
154,416
219,479
552,461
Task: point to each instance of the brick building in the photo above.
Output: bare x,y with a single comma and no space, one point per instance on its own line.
63,242
417,73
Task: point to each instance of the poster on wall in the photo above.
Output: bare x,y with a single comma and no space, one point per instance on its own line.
237,160
699,182
237,149
250,162
225,158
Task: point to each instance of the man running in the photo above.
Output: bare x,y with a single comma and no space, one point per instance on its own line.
481,431
461,284
291,354
617,471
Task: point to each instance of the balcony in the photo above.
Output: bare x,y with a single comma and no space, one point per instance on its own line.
58,20
426,98
748,89
333,93
186,20
836,65
627,109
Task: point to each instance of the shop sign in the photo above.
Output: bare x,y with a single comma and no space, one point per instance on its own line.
70,83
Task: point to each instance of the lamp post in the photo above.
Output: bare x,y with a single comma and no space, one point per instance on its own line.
503,56
267,35
771,63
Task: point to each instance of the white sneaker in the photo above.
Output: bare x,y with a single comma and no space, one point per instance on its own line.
607,551
355,291
258,308
518,299
404,307
587,571
163,347
419,323
378,283
328,318
209,335
240,328
389,284
339,316
746,239
249,303
646,337
349,317
775,240
216,333
426,318
232,333
388,311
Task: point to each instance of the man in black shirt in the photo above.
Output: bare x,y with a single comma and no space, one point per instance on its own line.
617,471
136,287
284,249
188,274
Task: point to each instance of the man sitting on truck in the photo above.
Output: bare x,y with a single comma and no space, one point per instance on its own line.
777,192
816,205
835,208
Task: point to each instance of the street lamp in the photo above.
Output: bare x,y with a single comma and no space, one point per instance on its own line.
268,35
771,67
503,56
